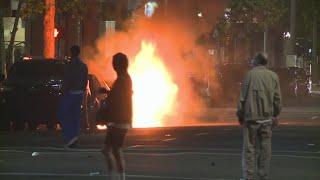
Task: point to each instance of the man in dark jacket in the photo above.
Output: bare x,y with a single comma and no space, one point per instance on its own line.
258,108
119,102
74,85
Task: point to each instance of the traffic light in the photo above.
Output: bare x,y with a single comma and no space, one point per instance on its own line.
57,33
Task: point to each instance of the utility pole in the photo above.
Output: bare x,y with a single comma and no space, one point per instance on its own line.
265,40
290,38
292,27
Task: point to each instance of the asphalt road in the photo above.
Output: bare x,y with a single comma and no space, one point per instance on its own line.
190,153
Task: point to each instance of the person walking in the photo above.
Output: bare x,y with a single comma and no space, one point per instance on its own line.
74,85
258,107
119,107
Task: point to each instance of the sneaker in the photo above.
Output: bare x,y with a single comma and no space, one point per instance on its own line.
72,143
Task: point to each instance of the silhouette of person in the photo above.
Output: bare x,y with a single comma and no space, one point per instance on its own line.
120,117
74,85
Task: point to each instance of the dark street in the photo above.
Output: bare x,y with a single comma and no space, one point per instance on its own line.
185,89
195,153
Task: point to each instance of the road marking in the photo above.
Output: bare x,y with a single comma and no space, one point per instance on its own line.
314,117
168,154
105,175
134,146
170,139
201,134
30,149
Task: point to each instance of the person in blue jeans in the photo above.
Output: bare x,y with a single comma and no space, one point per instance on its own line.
74,85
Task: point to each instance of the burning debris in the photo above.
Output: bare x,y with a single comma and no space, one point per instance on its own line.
154,91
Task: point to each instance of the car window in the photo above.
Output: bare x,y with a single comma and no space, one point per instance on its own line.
35,70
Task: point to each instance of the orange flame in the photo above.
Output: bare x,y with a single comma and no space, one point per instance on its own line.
154,92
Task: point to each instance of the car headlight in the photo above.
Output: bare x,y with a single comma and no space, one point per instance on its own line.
56,86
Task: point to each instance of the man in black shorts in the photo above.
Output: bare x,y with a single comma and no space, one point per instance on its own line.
119,117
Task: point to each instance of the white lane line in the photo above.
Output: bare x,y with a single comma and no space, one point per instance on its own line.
104,175
136,148
294,156
314,117
202,134
212,154
176,154
170,139
48,148
34,147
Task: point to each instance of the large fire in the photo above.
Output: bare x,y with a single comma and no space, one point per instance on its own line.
154,92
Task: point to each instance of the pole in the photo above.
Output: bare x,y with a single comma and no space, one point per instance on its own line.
315,61
292,27
265,39
2,49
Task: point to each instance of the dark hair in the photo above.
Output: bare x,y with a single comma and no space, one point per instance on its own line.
75,50
261,59
120,61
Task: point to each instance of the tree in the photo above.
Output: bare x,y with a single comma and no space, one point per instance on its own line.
13,35
310,12
2,50
250,16
48,29
47,8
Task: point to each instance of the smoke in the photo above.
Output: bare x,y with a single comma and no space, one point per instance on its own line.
175,38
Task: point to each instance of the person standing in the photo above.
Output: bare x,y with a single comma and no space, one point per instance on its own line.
74,85
258,108
119,107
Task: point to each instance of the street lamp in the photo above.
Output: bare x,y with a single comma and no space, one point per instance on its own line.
286,35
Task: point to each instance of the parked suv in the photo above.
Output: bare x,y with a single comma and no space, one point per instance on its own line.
32,91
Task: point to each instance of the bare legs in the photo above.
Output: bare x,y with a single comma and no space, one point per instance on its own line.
115,162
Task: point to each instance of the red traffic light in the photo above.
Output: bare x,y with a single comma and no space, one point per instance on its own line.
57,33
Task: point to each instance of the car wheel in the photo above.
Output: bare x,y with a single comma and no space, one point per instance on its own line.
51,125
92,114
18,125
5,125
92,121
32,125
